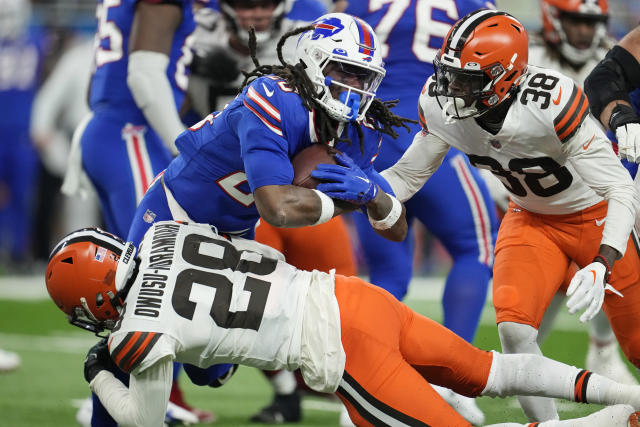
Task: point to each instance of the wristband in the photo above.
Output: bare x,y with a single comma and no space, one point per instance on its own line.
327,209
599,258
391,218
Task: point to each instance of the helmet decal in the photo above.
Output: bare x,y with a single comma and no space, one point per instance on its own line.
327,27
366,38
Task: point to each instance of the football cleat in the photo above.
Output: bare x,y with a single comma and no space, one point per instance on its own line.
8,361
285,408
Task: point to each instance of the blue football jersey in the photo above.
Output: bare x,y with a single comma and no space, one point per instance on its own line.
249,144
109,81
20,66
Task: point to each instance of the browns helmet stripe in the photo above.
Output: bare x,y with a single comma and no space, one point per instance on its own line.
465,27
93,235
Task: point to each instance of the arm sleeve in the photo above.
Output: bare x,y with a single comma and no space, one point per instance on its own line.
144,403
601,170
151,90
419,162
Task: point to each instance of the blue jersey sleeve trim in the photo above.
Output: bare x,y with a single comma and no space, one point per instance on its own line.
260,102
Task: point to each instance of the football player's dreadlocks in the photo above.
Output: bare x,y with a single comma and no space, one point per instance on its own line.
383,119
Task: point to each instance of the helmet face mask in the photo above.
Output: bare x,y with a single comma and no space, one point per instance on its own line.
236,12
81,278
560,18
341,59
481,63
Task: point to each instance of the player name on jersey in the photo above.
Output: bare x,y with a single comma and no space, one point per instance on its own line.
152,289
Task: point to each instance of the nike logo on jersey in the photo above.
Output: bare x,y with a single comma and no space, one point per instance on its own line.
267,91
585,146
557,100
364,179
599,222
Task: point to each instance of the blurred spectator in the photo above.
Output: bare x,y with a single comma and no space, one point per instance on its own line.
22,50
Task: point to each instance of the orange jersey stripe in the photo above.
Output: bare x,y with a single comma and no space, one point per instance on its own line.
572,115
129,364
121,351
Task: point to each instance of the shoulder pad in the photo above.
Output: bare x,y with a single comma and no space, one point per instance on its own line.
266,97
553,95
132,349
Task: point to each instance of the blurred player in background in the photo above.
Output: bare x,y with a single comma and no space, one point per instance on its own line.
221,52
345,335
572,201
139,81
22,49
455,205
613,88
572,40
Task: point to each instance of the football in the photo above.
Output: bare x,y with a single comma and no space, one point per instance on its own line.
306,160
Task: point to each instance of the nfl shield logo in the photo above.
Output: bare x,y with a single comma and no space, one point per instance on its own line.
148,216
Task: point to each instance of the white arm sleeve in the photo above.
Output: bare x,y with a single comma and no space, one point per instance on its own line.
601,170
144,403
417,164
147,80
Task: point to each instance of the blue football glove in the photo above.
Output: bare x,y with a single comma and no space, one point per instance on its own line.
345,181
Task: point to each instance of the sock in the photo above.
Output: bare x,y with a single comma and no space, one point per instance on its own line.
284,382
464,296
600,330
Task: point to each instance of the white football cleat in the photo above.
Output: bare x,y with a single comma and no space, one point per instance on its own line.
606,361
611,416
8,361
465,406
177,415
83,416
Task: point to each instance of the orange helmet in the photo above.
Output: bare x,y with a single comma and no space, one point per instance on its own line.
81,278
595,11
482,60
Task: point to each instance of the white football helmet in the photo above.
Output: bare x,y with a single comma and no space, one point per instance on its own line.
349,44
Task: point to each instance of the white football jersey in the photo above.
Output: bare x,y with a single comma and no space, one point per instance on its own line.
202,299
542,55
546,125
550,154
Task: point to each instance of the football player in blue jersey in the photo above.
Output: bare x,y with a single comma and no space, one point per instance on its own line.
235,165
21,53
455,204
140,77
138,84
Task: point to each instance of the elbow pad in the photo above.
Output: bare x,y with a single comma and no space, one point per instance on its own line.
612,79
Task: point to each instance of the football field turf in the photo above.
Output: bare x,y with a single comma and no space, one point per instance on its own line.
44,390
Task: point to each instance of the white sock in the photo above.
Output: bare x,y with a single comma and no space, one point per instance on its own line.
284,382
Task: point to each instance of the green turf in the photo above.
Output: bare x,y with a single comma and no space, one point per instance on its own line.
41,392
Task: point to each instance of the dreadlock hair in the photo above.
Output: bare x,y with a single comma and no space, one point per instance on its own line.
379,113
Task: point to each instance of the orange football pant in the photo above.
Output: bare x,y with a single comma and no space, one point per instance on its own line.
533,253
394,353
319,247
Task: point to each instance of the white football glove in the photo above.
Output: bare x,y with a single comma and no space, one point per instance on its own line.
628,136
587,290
